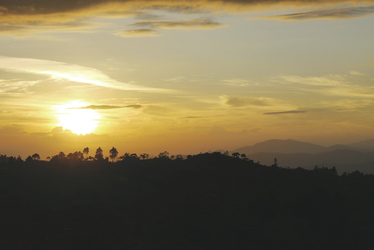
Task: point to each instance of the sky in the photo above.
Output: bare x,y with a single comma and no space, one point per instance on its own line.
183,76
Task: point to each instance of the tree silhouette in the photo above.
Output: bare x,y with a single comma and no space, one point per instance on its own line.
235,155
113,153
179,157
144,156
86,150
29,159
134,156
19,159
164,155
99,154
61,155
76,156
124,156
36,157
275,162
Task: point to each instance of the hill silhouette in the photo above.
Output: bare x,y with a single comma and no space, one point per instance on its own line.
366,145
291,153
282,146
207,201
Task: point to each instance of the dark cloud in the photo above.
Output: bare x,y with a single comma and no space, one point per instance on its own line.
16,16
98,107
34,7
187,8
198,23
339,13
247,101
135,106
285,112
138,33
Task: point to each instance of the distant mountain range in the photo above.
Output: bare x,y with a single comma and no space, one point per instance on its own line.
292,153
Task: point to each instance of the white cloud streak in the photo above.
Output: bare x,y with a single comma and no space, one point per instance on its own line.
70,72
332,85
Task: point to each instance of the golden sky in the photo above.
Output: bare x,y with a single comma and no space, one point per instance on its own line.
183,76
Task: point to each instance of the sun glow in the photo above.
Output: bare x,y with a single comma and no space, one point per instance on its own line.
74,117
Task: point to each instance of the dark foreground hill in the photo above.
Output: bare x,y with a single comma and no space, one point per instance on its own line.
209,201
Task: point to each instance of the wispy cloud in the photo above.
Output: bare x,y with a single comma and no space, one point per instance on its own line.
235,101
192,117
139,33
346,104
238,83
25,28
333,85
150,28
285,112
70,72
24,17
356,73
15,87
147,16
99,107
198,23
329,80
176,79
38,7
337,13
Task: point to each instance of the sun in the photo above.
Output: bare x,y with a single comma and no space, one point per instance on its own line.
76,118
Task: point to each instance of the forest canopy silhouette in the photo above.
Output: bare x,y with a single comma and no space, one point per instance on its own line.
205,201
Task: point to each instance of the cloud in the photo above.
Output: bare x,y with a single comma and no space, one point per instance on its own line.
238,83
198,23
368,63
192,117
159,110
338,13
247,101
175,79
70,72
25,28
285,112
22,17
41,7
332,85
99,107
134,106
147,16
15,87
346,104
356,73
138,33
330,80
183,7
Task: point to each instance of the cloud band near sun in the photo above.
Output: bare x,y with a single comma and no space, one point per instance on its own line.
103,107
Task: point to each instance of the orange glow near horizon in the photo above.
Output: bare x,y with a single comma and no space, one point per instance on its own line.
73,117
